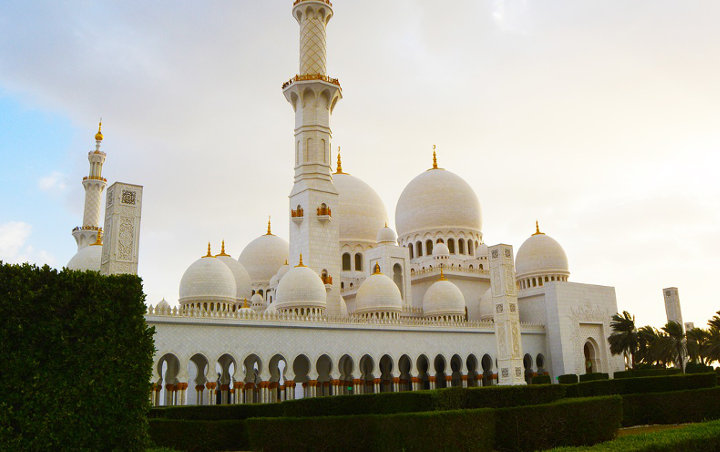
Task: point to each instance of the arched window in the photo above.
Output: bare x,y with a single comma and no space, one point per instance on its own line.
471,250
346,262
439,241
397,277
358,262
418,249
451,245
428,247
461,246
410,248
261,291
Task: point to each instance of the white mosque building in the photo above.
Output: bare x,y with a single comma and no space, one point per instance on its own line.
349,306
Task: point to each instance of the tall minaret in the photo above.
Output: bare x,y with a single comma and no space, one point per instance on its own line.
94,185
313,96
672,305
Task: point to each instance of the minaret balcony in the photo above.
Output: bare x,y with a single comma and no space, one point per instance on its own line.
309,77
95,178
297,215
327,2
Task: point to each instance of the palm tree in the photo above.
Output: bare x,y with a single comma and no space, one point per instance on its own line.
675,344
713,342
697,345
649,350
624,338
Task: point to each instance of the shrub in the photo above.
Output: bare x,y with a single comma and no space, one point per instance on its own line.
692,438
425,431
671,407
697,368
568,379
496,396
213,412
641,385
541,380
76,360
198,435
563,423
594,376
645,373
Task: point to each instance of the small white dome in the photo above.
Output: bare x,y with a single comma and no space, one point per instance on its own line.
87,258
256,299
436,200
163,305
482,250
275,280
264,256
242,278
208,279
387,236
541,254
487,311
441,249
301,287
443,298
378,293
343,308
360,211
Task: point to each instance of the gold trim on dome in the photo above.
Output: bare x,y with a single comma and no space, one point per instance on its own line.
98,238
537,229
99,135
376,270
209,254
300,264
442,275
222,250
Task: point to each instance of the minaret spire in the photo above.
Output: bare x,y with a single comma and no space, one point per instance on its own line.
339,163
269,231
94,185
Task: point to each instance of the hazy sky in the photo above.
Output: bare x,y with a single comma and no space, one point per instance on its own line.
599,118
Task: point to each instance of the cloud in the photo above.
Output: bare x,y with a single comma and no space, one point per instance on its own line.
53,182
14,248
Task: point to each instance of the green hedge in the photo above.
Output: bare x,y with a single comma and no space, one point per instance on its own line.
701,437
541,380
697,368
470,430
197,436
671,407
76,358
641,385
382,403
594,376
496,396
213,412
567,379
563,423
646,373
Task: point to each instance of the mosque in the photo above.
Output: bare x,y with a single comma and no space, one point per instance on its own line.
348,305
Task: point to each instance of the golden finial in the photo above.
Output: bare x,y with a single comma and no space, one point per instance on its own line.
442,275
385,223
209,254
269,232
99,135
222,250
339,163
434,158
98,239
376,270
537,229
286,262
245,305
300,264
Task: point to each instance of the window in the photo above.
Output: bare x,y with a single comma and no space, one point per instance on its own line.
470,247
358,262
418,249
428,247
397,277
451,245
346,262
410,248
461,246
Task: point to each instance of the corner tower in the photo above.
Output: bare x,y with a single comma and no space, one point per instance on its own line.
313,96
94,185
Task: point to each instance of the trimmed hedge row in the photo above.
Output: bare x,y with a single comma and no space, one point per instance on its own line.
692,438
428,431
567,379
645,373
641,385
594,376
541,380
217,412
199,436
671,407
563,423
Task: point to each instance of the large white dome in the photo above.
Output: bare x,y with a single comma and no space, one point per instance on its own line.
378,293
87,258
443,298
208,279
301,287
242,278
264,256
541,254
360,211
437,199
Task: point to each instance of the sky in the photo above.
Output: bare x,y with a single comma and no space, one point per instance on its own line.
598,118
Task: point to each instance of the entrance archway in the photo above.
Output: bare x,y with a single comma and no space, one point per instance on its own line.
591,362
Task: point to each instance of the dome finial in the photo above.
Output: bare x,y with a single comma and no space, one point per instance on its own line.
300,264
537,229
434,158
269,232
339,163
245,305
98,239
386,223
99,135
209,254
442,275
376,270
222,249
